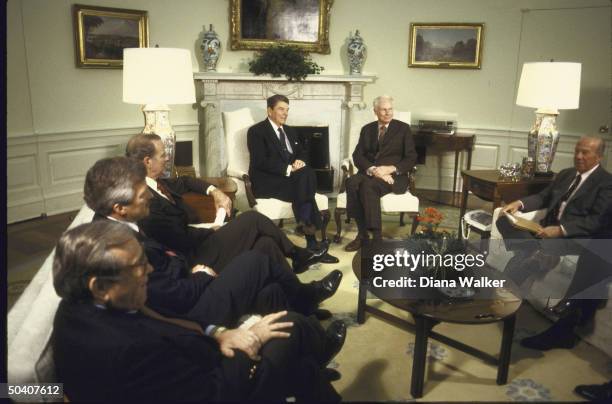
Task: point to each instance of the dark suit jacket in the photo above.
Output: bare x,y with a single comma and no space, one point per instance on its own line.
268,164
106,355
396,148
584,213
168,223
172,289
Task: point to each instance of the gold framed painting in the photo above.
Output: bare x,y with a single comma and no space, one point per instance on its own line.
260,24
446,45
101,34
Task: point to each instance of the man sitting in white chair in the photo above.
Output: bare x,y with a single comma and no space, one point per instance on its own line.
384,156
277,169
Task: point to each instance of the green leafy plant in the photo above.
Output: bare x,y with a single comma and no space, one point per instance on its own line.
284,60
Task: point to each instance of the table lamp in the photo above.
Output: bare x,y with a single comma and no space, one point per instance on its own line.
154,78
549,87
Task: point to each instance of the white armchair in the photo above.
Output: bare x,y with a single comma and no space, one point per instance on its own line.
236,124
403,204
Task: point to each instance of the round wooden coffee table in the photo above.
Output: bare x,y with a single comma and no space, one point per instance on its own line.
486,306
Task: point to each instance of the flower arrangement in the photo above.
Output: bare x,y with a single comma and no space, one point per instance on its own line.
284,60
433,240
429,221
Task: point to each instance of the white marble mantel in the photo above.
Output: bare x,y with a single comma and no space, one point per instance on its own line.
317,100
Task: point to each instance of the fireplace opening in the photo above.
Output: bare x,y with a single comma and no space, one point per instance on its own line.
316,142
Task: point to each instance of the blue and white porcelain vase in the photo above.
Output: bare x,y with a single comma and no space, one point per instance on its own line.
211,50
356,51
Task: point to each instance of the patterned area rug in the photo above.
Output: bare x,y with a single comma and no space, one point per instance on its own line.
376,361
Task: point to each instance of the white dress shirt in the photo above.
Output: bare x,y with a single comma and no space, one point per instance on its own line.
153,184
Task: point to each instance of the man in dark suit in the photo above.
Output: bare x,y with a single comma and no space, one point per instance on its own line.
277,168
384,156
116,190
169,218
578,203
106,348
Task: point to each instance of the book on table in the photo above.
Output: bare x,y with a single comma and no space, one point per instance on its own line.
523,224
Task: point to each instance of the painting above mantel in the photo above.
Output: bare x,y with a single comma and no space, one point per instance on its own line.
259,24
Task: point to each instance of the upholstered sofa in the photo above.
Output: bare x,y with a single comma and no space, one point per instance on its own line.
554,285
30,321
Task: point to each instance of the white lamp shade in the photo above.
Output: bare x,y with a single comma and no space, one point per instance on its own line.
157,76
550,85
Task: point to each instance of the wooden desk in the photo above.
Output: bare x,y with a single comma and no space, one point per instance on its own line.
457,143
486,185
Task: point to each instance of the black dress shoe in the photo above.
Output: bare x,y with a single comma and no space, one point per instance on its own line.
595,392
308,257
334,339
557,336
326,287
329,259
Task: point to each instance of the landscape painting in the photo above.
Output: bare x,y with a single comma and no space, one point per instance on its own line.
102,33
446,45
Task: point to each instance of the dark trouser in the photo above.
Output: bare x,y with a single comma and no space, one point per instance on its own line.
524,245
363,195
303,189
248,231
289,367
251,284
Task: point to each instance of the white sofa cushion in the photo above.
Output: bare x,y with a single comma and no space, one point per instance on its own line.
30,322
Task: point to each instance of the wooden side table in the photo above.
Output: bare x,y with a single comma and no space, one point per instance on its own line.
487,185
457,143
204,205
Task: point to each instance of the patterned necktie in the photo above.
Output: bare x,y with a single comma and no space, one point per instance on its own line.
566,196
283,141
161,187
381,132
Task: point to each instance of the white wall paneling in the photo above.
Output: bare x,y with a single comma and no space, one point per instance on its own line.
46,172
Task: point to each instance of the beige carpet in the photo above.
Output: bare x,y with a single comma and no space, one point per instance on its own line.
376,361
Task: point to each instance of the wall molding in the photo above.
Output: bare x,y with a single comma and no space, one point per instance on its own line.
46,170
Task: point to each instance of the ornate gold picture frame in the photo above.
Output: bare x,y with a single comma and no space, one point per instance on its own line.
259,24
446,45
101,34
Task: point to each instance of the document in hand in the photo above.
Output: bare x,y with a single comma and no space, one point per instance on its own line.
523,224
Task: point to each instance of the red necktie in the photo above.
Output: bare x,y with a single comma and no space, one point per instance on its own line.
164,190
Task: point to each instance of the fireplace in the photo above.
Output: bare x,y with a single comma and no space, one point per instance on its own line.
316,142
320,101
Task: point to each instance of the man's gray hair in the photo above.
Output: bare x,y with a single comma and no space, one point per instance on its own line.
380,99
601,146
111,181
85,252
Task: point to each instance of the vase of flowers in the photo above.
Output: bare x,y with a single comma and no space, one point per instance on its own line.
433,240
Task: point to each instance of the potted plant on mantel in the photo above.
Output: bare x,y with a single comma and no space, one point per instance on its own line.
285,60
